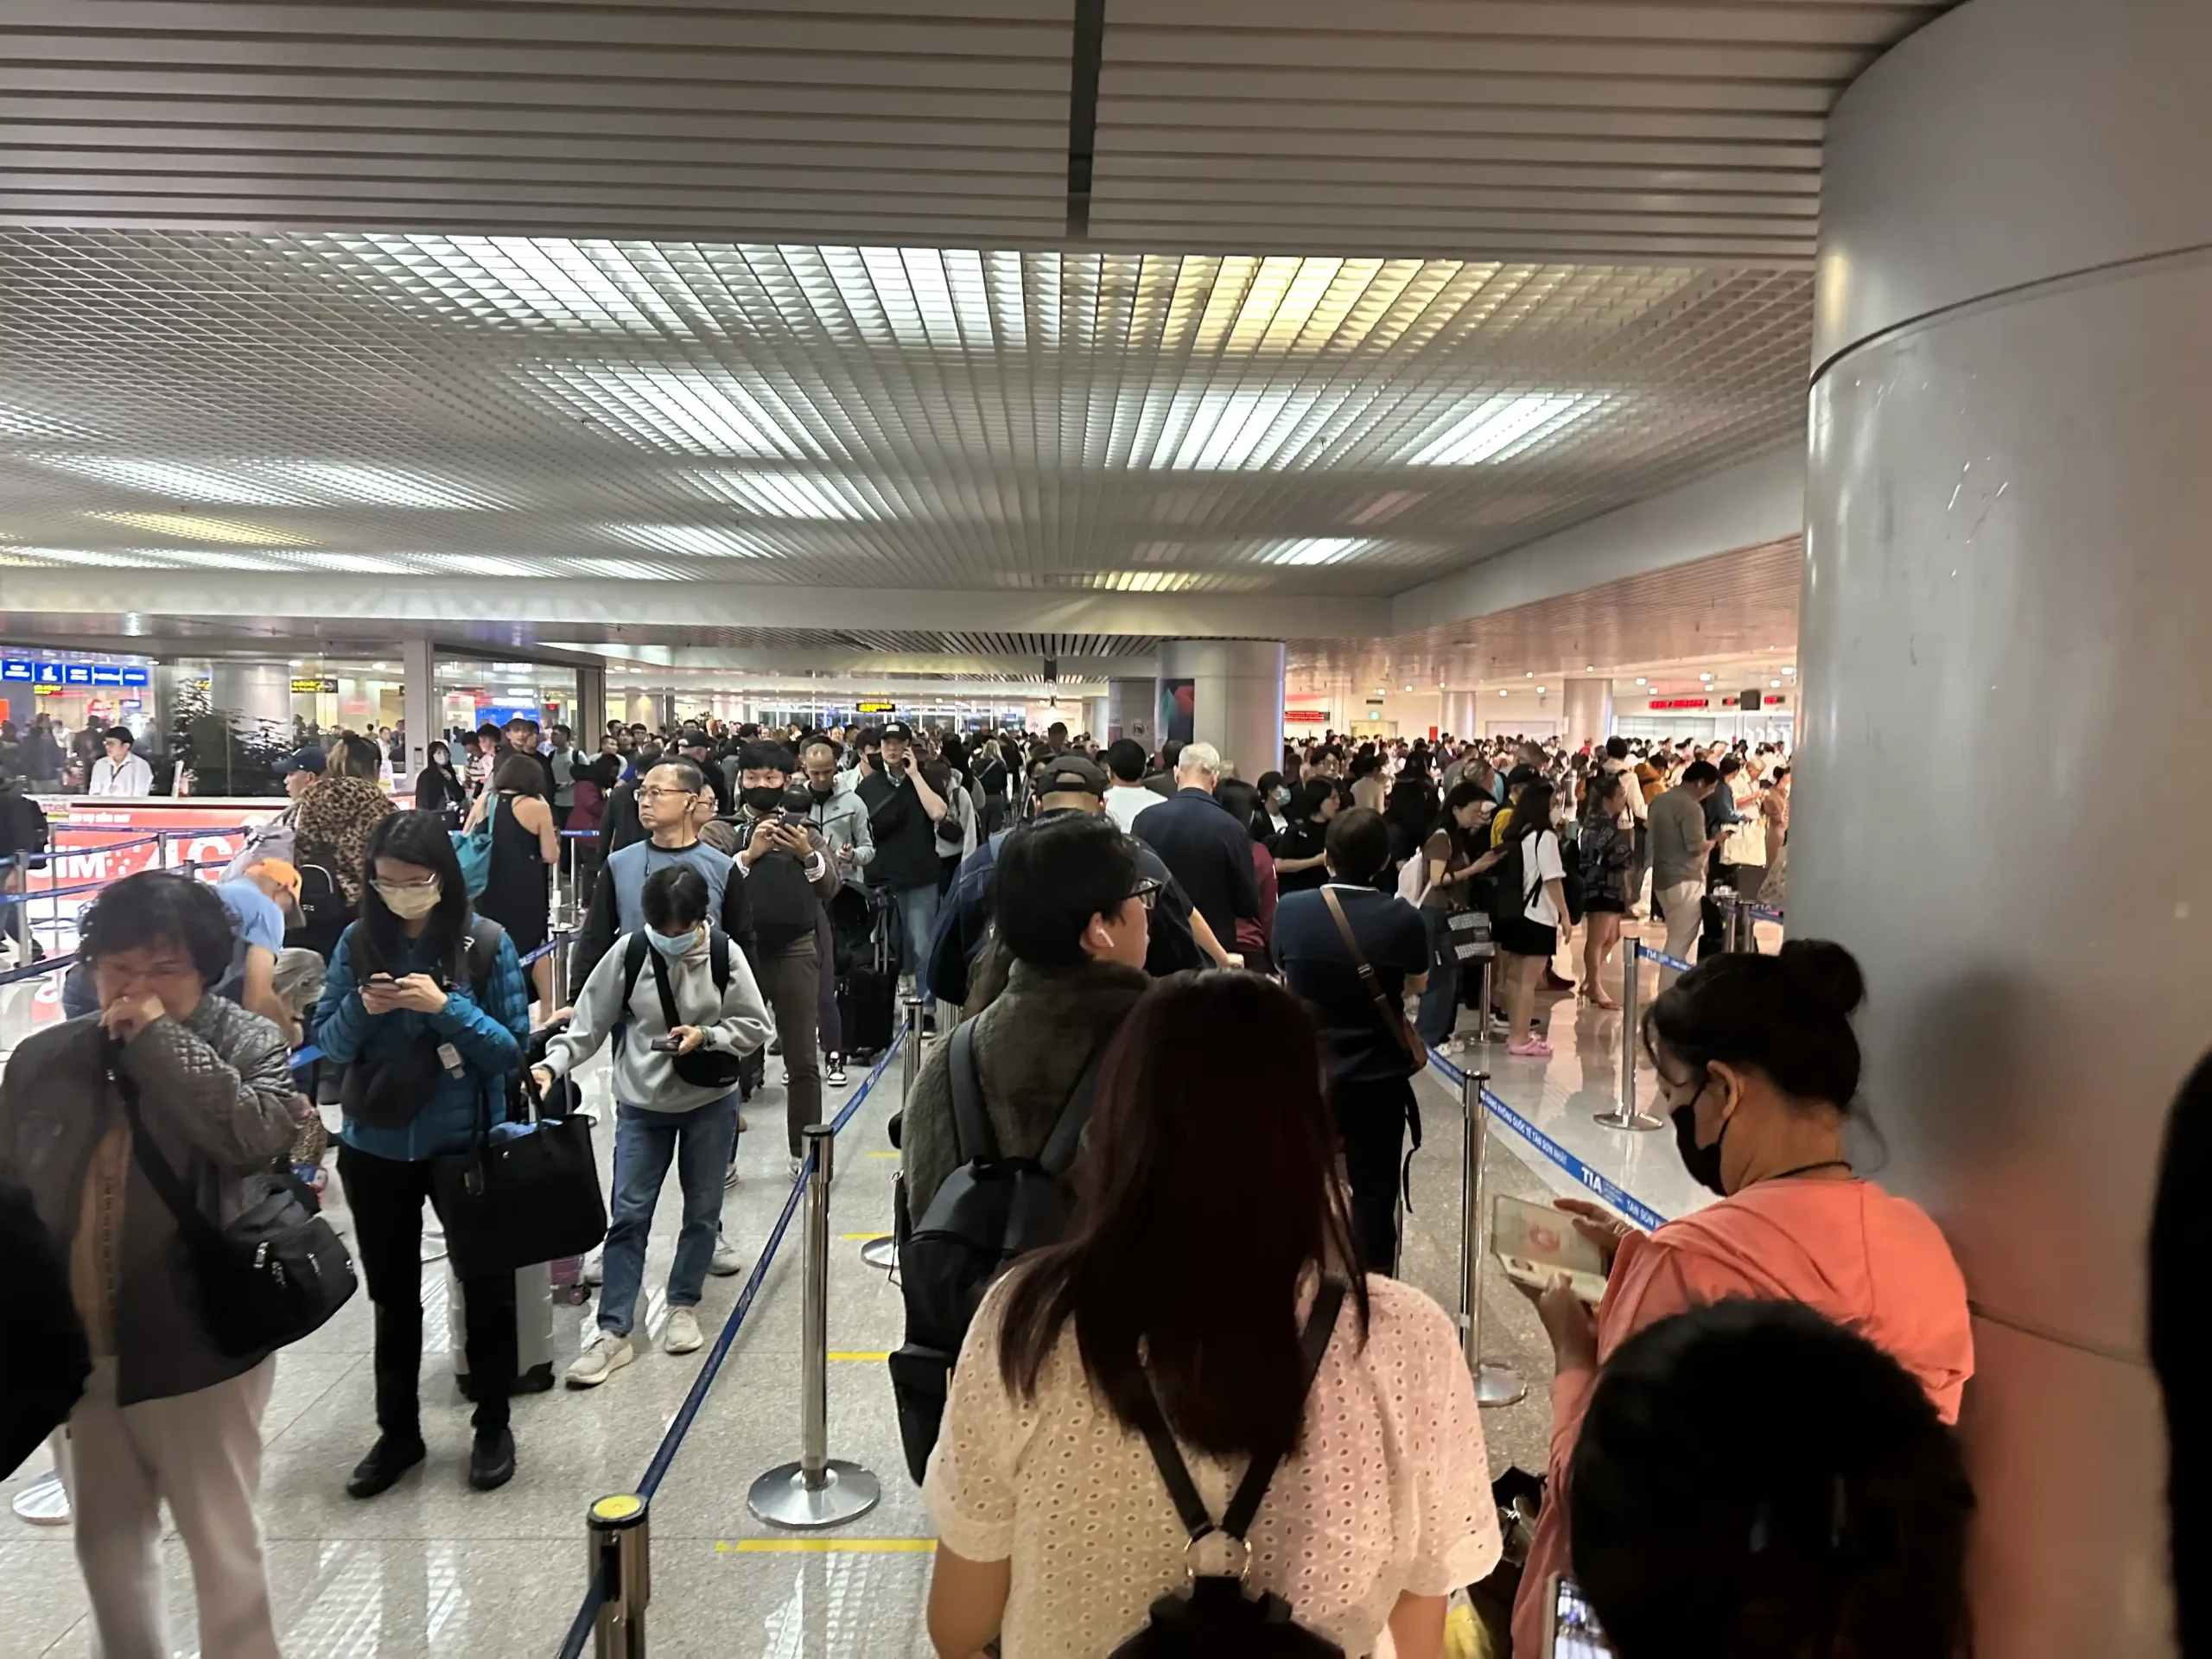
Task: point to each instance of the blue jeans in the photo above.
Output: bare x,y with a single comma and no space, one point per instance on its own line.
918,921
1440,1003
700,1141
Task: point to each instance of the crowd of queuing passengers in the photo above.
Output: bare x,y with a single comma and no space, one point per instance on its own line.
1752,1453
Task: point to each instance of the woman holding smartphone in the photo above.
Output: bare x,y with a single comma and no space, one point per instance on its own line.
427,1008
1759,1067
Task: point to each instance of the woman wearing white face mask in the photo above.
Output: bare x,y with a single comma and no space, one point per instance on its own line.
684,1008
427,1010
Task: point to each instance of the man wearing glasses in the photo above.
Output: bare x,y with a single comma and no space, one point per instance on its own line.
672,801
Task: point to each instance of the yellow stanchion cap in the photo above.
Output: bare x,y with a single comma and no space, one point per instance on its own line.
613,1511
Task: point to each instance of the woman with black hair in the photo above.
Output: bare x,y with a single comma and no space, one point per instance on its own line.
1759,1067
1836,1521
1241,802
1274,796
427,1010
1606,849
1527,934
167,1416
1209,1225
1455,857
438,787
1409,813
1301,852
525,845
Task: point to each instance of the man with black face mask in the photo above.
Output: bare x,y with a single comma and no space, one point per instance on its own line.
789,876
841,817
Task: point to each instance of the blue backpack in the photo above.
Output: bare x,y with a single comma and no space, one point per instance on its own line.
474,848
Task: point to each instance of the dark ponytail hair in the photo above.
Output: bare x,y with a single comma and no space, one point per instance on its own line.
1788,1014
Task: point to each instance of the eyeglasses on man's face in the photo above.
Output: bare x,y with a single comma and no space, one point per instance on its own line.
655,792
1146,891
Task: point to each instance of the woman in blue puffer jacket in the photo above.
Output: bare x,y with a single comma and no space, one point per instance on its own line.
427,1009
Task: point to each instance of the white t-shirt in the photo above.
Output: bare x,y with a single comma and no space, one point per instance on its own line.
1125,801
1540,862
130,776
1389,1495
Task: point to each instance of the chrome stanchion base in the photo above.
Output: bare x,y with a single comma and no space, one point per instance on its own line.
43,1502
782,1498
881,1252
1499,1385
1621,1118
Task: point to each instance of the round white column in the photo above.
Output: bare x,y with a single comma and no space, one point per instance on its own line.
1588,708
1462,714
252,696
1133,711
2007,603
1236,697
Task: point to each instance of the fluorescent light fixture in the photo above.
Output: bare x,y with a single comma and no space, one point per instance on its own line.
1227,429
207,559
202,530
1323,550
477,564
379,486
678,408
1494,426
358,564
780,495
627,570
100,557
17,421
176,480
701,540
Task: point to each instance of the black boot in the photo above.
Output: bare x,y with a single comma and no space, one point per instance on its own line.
492,1459
392,1456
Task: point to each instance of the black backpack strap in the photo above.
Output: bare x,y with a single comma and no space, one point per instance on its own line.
178,1198
633,963
971,1123
718,960
1066,1139
671,1017
482,952
1236,1521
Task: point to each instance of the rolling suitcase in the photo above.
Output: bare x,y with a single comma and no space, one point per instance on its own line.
867,994
533,1330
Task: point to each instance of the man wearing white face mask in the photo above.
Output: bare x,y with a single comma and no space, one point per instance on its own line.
680,1001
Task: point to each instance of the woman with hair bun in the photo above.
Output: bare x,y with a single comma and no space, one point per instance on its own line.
1759,1069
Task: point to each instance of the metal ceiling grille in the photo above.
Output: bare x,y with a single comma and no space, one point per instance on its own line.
505,408
1611,131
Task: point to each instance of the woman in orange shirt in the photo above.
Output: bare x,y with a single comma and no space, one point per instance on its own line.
1760,1068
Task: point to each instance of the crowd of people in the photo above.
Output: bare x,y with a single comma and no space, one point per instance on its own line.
1192,1003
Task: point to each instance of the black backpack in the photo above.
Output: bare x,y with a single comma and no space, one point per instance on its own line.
703,1068
1216,1615
989,1211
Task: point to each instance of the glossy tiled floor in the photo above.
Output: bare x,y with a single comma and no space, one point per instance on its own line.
433,1569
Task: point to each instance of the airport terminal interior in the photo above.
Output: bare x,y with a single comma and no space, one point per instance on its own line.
924,522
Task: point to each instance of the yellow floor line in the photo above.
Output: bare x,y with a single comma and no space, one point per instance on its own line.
876,1359
862,1239
826,1547
883,1154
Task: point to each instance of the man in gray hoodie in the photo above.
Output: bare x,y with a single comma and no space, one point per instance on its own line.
681,1003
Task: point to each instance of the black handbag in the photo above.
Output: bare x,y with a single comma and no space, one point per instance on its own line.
1216,1615
522,1198
267,1279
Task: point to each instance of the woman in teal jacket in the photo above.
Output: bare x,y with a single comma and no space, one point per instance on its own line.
427,1008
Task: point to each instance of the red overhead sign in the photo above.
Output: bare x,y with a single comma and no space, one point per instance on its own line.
1306,716
1681,703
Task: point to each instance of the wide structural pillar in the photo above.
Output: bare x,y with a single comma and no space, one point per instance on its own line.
1132,711
590,718
2005,590
1462,714
1588,707
419,704
254,698
1233,688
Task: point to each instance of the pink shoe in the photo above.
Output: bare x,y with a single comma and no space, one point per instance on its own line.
1534,1049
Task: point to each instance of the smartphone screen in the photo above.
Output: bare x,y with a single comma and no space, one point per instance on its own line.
1575,1634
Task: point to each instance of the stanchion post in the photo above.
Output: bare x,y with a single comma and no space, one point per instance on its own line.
910,1063
1495,1385
818,1491
1484,966
1625,1114
620,1537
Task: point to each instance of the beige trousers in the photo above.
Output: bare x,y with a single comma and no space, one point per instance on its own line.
200,1453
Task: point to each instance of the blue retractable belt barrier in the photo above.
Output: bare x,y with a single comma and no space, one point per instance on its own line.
33,969
579,1632
1611,1191
1664,959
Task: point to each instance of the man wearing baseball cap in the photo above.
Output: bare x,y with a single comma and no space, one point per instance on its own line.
1067,785
902,811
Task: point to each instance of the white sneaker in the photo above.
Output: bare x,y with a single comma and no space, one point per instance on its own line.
798,1167
681,1336
832,1072
594,1270
726,1262
607,1354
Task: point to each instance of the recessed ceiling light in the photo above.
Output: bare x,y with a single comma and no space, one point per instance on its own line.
1589,668
1774,683
1540,690
1642,681
1530,675
1505,694
1705,676
1789,669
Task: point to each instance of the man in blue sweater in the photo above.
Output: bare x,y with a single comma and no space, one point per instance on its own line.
673,801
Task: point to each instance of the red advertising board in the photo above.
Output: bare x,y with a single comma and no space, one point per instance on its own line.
1681,703
1306,717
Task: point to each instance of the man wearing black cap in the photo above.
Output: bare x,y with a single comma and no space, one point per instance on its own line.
903,811
1068,785
695,746
789,876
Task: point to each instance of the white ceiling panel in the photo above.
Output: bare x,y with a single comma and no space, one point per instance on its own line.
378,404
